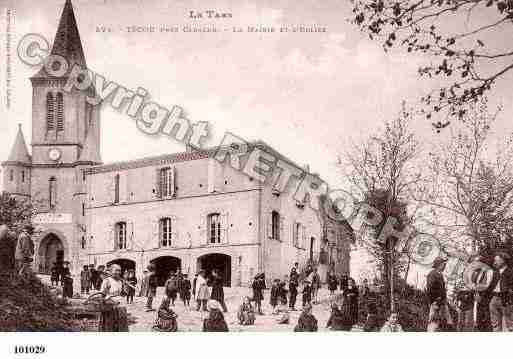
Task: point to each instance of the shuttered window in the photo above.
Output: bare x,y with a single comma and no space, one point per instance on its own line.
121,239
214,228
50,112
60,112
165,232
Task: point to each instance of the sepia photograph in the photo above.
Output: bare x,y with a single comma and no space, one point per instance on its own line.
256,166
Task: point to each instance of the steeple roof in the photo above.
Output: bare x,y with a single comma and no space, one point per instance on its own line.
90,151
19,152
67,41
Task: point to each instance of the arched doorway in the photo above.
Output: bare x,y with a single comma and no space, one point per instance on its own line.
221,262
165,265
51,251
125,264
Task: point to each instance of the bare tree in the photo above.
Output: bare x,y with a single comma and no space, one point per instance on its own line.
463,37
380,171
469,190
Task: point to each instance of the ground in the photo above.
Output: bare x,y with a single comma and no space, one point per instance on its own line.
191,320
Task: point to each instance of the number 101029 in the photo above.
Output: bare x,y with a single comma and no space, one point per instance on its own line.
29,349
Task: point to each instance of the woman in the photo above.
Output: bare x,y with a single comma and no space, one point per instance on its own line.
166,317
246,313
144,284
217,289
215,321
115,318
351,298
306,322
202,292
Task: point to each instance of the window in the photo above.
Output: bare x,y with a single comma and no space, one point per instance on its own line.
22,176
297,235
50,113
83,243
166,182
165,232
52,192
121,240
275,225
116,189
83,209
11,175
60,112
214,227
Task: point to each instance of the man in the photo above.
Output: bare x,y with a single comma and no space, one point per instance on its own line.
437,293
343,282
316,285
7,249
501,304
93,275
25,250
293,284
152,288
85,280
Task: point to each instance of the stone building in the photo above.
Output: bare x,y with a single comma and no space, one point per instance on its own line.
183,210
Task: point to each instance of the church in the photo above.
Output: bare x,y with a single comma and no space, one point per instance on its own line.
177,211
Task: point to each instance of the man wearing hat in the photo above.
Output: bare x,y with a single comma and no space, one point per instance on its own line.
437,292
25,249
501,287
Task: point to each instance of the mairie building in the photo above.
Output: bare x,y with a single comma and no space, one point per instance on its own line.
178,211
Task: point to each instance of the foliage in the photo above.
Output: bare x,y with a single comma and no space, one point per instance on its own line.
465,39
27,304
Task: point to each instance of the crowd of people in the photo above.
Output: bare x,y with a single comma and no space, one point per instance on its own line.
461,313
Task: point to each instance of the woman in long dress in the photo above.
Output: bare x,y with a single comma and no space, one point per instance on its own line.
351,298
113,319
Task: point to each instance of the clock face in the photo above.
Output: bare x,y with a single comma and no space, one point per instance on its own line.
54,154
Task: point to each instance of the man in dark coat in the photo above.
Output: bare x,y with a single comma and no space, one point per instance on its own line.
293,284
501,287
465,306
437,293
258,287
25,250
218,290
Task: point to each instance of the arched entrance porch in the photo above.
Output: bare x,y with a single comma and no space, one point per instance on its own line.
51,252
219,261
164,265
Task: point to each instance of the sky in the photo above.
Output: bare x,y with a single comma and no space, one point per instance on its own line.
308,95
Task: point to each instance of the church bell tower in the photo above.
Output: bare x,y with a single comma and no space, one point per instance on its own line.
65,141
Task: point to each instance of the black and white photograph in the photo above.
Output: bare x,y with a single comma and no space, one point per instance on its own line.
256,166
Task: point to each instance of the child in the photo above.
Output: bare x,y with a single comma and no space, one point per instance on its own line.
258,295
274,294
307,294
215,321
185,290
306,322
130,290
392,324
166,317
246,314
339,318
54,276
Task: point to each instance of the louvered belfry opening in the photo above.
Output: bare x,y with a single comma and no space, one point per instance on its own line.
54,115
